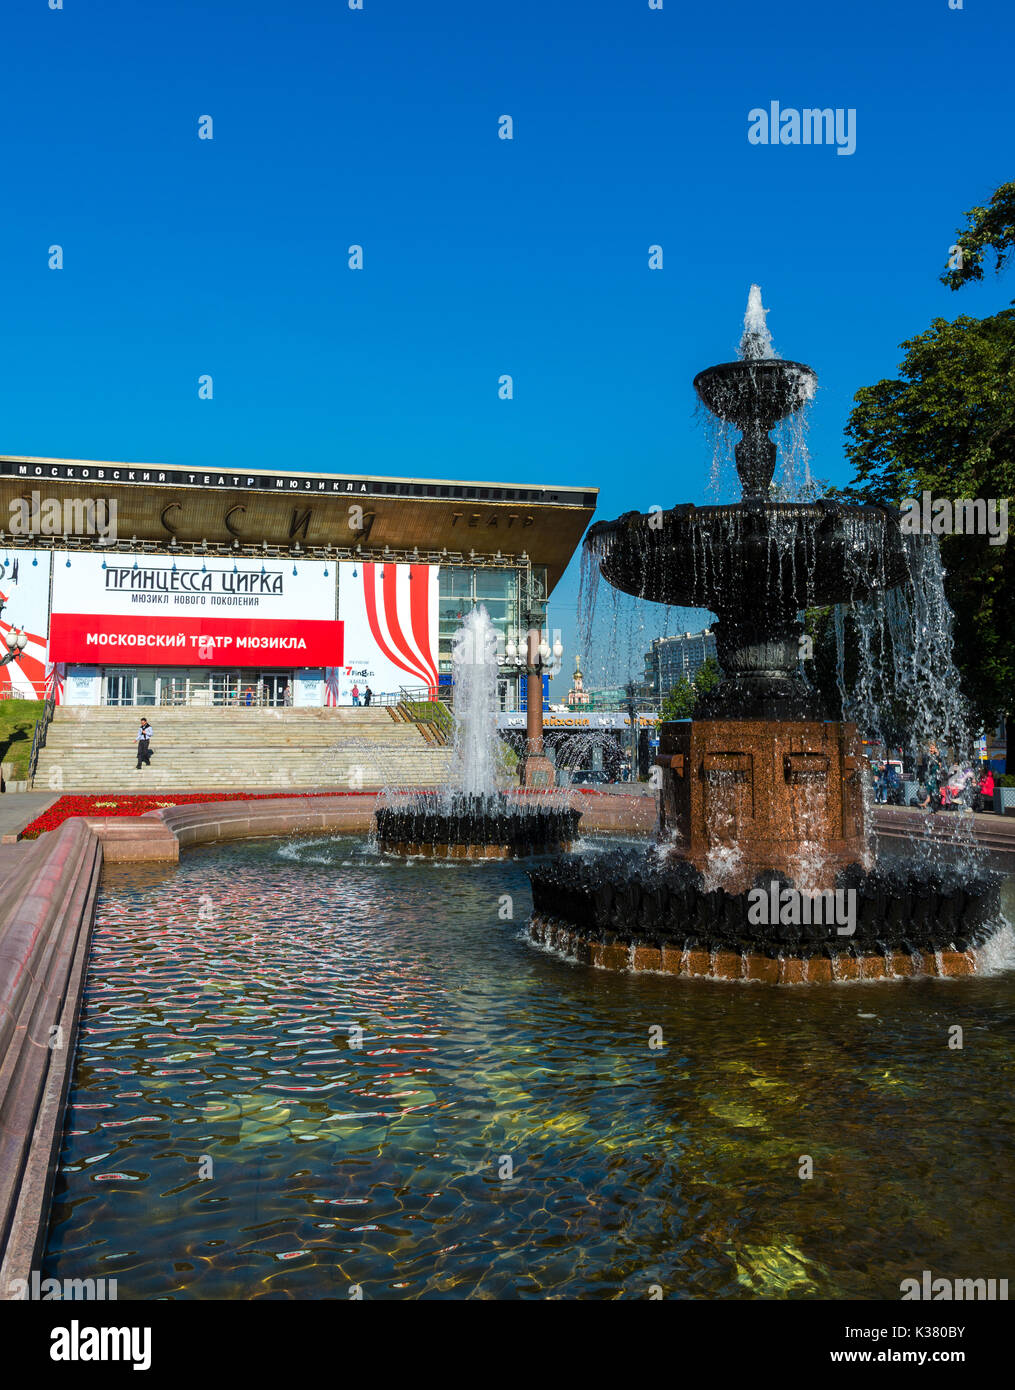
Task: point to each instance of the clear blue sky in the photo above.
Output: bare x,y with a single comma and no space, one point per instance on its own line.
482,256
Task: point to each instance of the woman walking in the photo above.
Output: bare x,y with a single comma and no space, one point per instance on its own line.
144,739
932,780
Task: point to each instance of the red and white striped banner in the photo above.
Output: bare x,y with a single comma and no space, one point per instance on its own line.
390,613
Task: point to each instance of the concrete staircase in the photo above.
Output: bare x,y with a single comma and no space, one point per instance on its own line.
91,749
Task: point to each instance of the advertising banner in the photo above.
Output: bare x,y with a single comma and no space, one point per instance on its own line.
24,589
81,686
389,615
191,641
309,688
163,612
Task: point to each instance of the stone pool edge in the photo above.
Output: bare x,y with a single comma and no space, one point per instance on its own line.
45,935
160,835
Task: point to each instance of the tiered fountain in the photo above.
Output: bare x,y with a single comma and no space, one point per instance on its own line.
760,789
470,818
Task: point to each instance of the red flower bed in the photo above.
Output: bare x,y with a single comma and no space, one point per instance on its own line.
109,805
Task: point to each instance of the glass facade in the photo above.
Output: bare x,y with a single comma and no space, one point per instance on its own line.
180,685
670,659
499,590
461,588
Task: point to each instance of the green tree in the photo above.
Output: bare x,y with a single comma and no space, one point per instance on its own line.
682,698
679,700
987,229
707,676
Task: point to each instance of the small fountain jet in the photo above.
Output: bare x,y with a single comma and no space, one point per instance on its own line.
471,818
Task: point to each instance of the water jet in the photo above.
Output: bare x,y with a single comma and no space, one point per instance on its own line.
472,818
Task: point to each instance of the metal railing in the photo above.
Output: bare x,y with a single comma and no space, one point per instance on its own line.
39,736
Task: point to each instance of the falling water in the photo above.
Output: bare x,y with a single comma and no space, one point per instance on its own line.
906,674
905,645
474,656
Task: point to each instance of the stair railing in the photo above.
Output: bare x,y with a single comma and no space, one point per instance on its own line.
39,736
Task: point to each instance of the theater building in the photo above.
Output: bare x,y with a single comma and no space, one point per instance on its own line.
138,584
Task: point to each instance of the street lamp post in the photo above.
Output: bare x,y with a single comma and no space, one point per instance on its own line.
635,705
533,656
541,659
14,644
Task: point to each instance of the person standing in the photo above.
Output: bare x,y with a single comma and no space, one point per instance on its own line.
355,694
368,695
881,783
932,780
144,740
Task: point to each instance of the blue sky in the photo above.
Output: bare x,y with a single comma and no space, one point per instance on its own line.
482,256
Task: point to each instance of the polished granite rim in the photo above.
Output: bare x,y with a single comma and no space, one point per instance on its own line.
691,962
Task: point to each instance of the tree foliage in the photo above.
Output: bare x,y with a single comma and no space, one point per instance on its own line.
681,699
987,229
678,703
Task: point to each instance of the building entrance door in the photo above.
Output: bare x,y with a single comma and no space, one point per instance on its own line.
144,686
273,686
119,687
172,687
225,687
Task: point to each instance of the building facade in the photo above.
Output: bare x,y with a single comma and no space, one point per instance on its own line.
670,659
149,585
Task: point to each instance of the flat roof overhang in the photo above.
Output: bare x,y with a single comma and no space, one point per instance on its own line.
287,512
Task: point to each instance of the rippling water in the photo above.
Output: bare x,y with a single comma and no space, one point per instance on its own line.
506,1129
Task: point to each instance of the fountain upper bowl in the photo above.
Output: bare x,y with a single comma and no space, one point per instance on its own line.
756,390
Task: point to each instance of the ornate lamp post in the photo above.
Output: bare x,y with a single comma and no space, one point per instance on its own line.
635,705
532,654
14,644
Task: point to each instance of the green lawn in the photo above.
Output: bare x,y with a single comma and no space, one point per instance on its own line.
430,712
17,724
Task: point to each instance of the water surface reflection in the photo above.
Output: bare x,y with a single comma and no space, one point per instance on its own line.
505,1128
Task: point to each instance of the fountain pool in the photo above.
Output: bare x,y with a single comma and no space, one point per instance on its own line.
471,817
225,1140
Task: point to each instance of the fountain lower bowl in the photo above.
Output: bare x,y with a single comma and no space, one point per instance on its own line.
624,913
480,827
781,556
